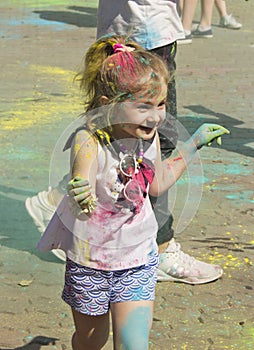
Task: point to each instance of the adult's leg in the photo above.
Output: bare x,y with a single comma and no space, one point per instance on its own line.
175,265
168,54
91,331
180,7
131,322
206,14
221,7
188,11
204,28
168,139
226,21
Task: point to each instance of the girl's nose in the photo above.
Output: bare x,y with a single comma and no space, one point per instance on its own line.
153,115
156,115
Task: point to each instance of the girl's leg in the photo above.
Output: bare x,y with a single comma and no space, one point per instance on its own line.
91,331
132,321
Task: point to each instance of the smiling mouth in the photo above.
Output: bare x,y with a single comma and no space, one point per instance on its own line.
146,129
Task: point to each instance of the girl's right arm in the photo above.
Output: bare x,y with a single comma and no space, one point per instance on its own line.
81,189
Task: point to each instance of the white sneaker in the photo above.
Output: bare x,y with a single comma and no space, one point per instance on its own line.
177,266
229,22
186,40
41,211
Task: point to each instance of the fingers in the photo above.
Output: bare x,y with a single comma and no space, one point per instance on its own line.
225,131
83,198
216,131
77,182
217,127
80,190
216,134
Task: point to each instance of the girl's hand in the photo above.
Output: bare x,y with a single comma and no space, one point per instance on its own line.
79,190
206,133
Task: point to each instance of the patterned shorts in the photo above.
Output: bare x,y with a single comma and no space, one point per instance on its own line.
91,291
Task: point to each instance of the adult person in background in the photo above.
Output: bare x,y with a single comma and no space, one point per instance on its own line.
204,28
157,27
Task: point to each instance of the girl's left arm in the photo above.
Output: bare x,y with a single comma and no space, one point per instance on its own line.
168,171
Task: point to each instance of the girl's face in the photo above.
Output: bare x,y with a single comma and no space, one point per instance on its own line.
140,115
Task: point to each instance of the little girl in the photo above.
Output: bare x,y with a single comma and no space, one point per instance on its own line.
105,223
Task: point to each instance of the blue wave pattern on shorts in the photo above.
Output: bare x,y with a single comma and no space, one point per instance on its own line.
91,291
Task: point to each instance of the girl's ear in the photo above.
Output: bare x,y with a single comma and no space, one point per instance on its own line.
104,100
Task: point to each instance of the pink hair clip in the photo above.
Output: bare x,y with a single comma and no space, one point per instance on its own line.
122,48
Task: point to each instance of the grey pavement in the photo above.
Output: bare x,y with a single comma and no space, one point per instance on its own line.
41,49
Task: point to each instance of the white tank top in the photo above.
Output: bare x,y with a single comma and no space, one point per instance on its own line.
116,236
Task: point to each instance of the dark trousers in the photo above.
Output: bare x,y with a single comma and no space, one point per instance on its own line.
168,139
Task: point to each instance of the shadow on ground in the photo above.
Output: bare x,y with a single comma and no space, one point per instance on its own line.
239,136
77,16
36,343
17,229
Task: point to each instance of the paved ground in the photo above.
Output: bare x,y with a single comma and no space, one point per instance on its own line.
42,43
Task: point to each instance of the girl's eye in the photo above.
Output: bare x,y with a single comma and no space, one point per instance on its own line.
143,106
162,104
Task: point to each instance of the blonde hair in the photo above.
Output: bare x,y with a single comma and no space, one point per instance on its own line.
118,74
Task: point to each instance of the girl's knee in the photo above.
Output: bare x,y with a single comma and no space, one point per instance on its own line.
91,333
79,342
135,343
